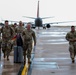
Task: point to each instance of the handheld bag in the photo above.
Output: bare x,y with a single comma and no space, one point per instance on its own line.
18,54
18,50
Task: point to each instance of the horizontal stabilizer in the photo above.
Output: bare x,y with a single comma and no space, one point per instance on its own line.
47,17
29,17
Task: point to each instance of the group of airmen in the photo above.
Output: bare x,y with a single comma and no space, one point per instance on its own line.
8,32
28,35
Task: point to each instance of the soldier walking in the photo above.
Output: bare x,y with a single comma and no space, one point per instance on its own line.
28,36
7,34
20,28
71,37
14,33
14,28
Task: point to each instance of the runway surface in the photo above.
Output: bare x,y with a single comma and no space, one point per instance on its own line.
51,56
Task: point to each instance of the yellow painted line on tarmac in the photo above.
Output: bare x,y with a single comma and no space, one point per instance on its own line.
25,70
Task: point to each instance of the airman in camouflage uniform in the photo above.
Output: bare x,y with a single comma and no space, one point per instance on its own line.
71,37
29,36
14,26
7,34
20,28
0,46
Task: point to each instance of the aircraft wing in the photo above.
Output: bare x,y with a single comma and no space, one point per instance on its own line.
17,21
59,22
12,21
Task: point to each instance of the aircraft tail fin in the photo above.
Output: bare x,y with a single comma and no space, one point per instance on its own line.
38,10
38,14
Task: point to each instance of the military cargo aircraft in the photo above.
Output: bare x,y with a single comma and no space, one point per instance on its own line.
38,20
39,23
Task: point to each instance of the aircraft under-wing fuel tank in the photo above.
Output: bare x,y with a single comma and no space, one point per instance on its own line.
39,23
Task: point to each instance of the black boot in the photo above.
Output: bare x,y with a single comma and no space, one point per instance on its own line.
29,61
4,55
7,58
73,61
24,59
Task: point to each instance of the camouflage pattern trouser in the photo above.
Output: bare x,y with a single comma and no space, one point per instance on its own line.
27,50
0,50
72,50
6,48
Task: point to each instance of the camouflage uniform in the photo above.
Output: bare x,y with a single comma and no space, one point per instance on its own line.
19,29
72,44
0,46
7,34
28,36
14,34
14,29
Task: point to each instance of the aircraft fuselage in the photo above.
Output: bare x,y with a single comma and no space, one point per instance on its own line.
38,22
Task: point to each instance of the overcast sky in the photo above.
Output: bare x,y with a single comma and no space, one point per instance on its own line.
63,10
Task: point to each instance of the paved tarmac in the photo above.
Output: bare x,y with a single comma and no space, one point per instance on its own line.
9,67
51,54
